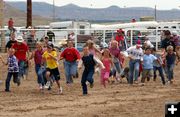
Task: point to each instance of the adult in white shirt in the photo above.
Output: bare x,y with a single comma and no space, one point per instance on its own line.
135,54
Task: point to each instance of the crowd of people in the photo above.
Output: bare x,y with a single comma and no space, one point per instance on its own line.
142,65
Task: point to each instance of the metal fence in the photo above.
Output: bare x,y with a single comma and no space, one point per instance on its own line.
99,36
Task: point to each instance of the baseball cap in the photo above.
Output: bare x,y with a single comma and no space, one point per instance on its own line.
50,45
138,43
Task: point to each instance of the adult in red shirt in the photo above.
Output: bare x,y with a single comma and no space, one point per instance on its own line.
21,50
120,38
71,56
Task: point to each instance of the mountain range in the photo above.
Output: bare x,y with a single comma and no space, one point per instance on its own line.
112,13
19,16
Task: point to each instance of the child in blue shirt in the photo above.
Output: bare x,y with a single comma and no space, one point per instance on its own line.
13,69
148,60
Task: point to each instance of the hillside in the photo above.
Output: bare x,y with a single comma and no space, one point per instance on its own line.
112,13
19,16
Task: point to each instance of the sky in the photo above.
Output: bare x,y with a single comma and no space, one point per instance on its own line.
160,4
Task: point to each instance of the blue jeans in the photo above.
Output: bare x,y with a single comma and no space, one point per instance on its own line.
170,72
117,67
134,70
21,68
160,69
8,79
87,76
70,70
40,74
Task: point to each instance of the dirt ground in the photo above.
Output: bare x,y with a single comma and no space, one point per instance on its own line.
117,100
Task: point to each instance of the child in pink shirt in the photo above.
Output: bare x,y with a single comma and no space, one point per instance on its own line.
107,61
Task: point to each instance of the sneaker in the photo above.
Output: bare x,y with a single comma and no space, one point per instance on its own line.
118,79
142,84
40,86
47,85
91,85
135,82
60,90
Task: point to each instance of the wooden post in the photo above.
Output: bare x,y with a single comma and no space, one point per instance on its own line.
3,48
29,13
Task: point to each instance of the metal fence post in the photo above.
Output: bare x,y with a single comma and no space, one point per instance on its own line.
104,36
76,38
156,38
131,37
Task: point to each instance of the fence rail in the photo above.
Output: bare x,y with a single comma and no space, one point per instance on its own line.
99,35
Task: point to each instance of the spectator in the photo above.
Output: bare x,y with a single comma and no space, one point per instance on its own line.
11,25
11,42
72,36
120,38
51,35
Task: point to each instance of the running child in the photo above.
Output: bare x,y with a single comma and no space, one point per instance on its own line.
89,61
108,63
39,68
50,57
115,52
13,69
148,60
170,63
158,66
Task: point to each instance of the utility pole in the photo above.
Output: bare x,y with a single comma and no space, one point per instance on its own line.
155,13
29,13
3,48
54,10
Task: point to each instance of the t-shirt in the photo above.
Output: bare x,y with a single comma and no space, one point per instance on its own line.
115,52
135,53
148,61
119,39
50,62
38,56
70,54
12,64
88,62
167,42
10,23
156,63
10,43
170,59
20,51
